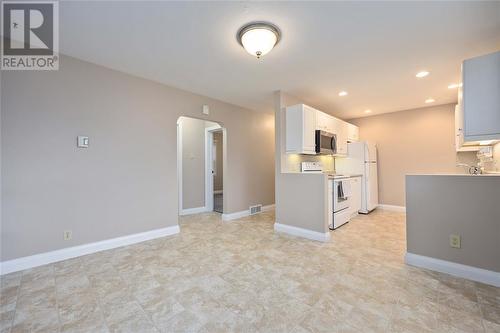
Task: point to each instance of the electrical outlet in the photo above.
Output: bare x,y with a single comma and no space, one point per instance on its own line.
455,241
68,234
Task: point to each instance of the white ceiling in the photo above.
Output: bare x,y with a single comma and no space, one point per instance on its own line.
370,49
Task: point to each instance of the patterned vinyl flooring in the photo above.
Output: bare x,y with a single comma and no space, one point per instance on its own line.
243,277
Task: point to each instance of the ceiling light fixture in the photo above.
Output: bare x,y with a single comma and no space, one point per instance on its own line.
430,100
258,38
368,111
422,74
343,93
454,85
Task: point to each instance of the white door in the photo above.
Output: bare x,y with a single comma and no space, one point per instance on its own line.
371,186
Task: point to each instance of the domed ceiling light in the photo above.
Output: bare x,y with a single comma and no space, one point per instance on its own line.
259,38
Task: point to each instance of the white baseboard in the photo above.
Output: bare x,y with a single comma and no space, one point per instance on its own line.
244,213
20,264
234,216
452,268
268,207
196,210
296,231
393,208
218,191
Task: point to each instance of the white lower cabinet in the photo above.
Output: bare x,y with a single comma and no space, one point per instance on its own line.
355,204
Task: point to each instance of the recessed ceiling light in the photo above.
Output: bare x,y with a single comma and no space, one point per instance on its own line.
343,93
454,85
422,74
430,100
368,111
258,38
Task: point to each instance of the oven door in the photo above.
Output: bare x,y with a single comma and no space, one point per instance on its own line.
326,143
340,200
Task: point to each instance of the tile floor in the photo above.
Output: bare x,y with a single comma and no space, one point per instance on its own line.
242,277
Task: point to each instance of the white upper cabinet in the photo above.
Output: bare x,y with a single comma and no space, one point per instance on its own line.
460,144
480,110
340,129
352,133
323,122
301,129
301,123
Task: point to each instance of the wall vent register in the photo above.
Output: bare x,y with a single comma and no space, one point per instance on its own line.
255,209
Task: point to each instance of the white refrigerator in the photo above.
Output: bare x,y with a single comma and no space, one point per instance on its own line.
362,159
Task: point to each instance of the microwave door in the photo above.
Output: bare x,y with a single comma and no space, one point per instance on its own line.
324,143
333,144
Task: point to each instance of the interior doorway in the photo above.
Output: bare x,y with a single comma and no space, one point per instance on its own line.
214,168
201,157
217,171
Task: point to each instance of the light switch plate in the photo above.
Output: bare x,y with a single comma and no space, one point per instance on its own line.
83,141
206,109
455,241
67,235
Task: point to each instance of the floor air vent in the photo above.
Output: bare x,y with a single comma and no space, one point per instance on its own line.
255,209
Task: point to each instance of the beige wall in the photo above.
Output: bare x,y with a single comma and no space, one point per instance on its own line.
126,181
438,206
413,141
218,161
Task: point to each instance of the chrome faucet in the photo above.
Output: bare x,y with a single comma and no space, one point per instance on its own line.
472,169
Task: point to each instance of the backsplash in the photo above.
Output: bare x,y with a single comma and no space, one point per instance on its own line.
293,161
495,165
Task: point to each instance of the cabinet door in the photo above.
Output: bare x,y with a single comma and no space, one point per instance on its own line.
322,121
341,131
309,129
352,133
459,132
481,97
460,144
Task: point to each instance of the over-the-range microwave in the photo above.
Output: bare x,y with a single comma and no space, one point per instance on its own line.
326,143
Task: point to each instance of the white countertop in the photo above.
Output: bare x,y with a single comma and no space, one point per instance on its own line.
329,174
343,175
